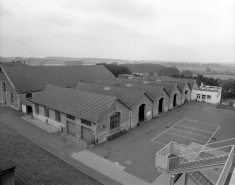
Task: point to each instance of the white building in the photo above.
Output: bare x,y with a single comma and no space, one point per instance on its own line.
209,94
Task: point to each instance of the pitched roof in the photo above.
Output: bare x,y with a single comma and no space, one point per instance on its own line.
169,87
190,81
36,78
85,105
152,91
129,96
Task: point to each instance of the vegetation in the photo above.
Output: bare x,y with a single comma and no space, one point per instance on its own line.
116,69
144,68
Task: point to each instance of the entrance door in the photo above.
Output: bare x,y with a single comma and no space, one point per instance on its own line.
141,112
186,95
29,109
71,127
86,134
203,98
174,100
160,106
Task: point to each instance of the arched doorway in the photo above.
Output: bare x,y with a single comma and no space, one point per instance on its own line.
174,99
4,93
141,112
160,105
186,95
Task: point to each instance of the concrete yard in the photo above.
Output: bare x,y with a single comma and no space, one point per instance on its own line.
134,152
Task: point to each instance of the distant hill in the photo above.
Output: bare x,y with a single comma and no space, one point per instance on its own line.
144,67
90,60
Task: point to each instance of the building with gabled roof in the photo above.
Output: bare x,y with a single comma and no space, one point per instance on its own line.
157,93
19,84
90,116
137,100
171,88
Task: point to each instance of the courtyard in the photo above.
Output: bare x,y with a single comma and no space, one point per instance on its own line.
134,152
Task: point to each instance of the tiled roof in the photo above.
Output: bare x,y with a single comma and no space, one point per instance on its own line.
85,105
129,96
36,78
34,165
152,91
169,87
190,81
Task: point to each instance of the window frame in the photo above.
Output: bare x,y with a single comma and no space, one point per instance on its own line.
28,95
86,122
115,120
208,97
70,117
57,116
46,112
36,107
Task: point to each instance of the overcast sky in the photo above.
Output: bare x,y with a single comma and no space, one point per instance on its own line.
172,30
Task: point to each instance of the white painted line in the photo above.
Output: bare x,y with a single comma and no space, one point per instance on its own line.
166,130
195,129
191,133
212,135
187,137
201,122
159,143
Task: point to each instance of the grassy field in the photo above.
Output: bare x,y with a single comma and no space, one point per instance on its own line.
222,77
221,69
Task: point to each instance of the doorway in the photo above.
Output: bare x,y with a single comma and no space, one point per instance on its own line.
174,100
29,110
160,106
186,95
141,112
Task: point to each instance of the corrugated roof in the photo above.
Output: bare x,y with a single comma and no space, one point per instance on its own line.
129,96
152,91
36,78
85,105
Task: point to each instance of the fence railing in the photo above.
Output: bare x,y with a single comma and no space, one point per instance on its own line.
226,169
207,157
218,144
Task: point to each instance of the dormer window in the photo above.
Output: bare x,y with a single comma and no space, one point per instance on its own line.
107,88
129,85
28,95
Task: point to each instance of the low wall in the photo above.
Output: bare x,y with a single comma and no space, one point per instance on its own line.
222,106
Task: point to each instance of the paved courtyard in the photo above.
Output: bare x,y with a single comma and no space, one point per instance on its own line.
134,152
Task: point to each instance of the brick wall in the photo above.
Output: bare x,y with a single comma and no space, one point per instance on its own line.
135,110
9,90
103,128
178,98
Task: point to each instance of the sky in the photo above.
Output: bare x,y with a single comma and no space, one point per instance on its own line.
170,30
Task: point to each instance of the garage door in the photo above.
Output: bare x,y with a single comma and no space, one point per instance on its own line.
86,134
71,127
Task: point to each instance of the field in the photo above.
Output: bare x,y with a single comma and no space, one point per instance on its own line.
222,77
221,69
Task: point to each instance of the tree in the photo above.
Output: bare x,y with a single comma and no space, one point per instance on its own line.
208,69
187,73
168,71
116,69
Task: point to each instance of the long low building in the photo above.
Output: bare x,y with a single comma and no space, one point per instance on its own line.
18,84
158,94
138,101
172,89
90,116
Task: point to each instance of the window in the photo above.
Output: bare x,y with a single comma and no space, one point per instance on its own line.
86,122
4,87
57,116
198,95
70,117
114,120
12,98
208,96
28,95
46,112
36,109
